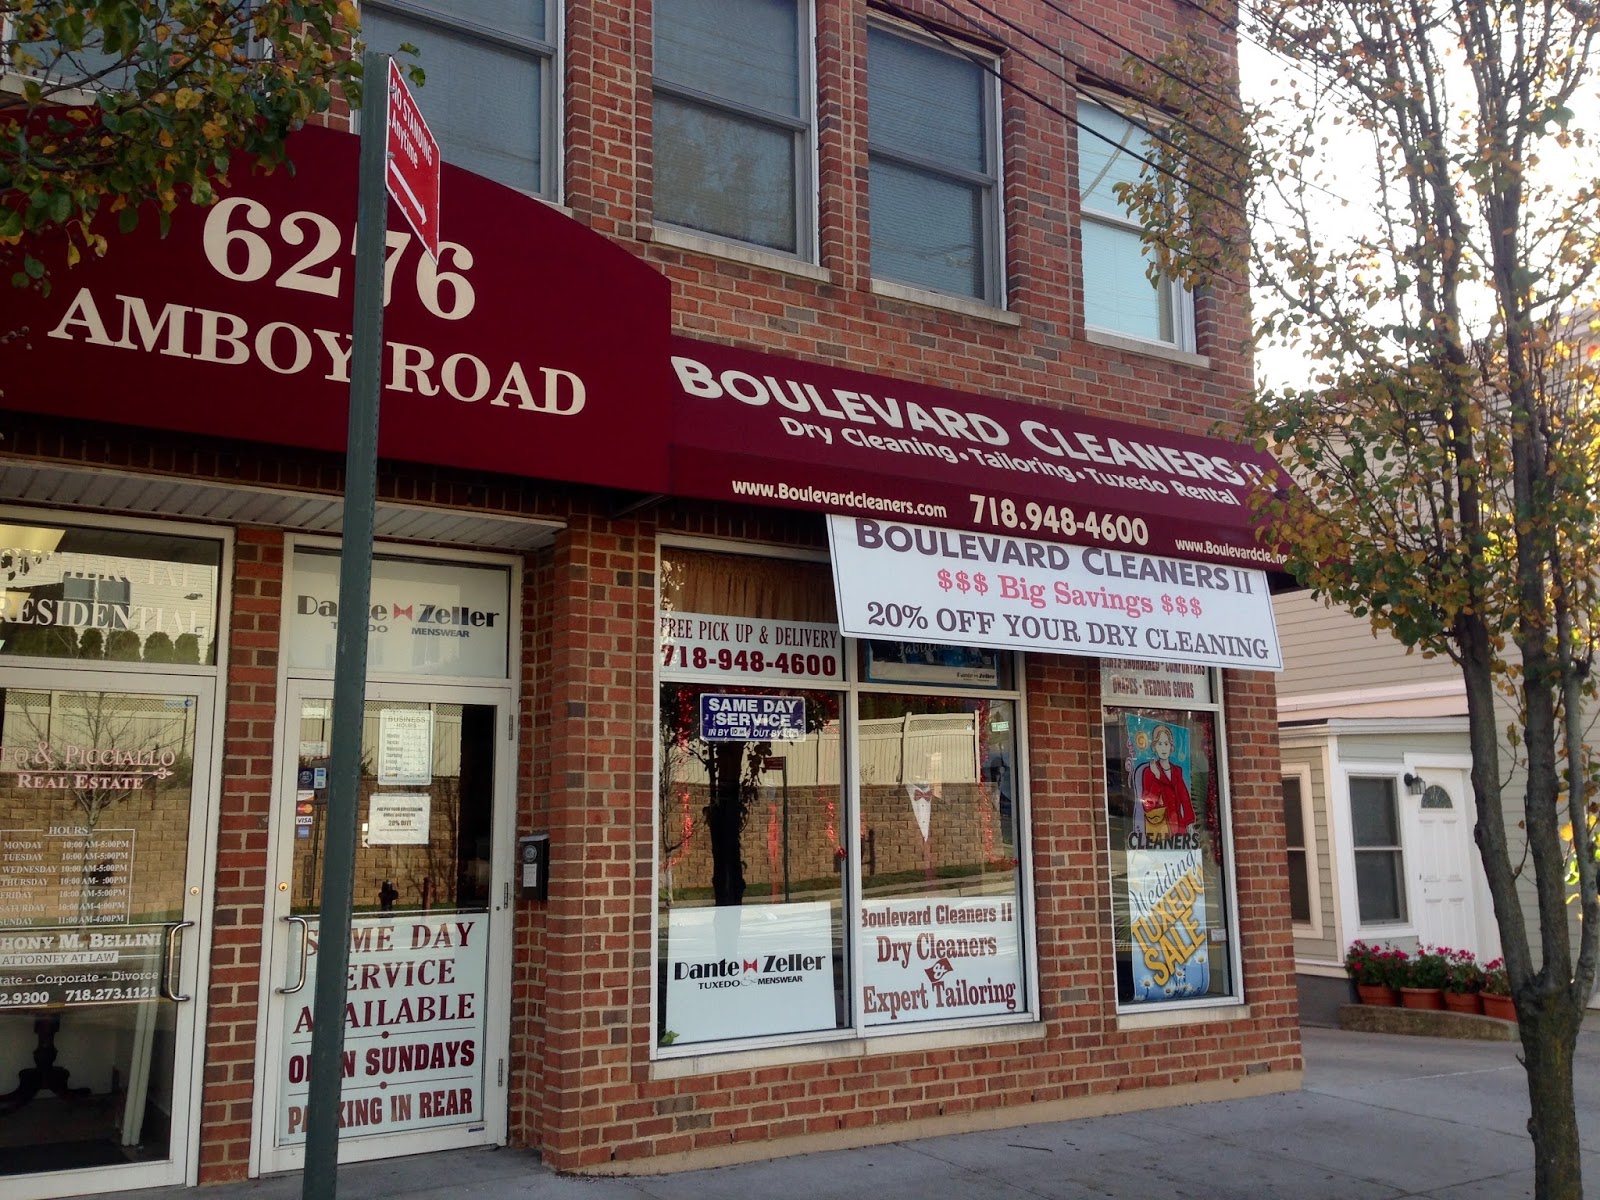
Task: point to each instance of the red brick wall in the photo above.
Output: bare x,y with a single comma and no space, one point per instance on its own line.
601,1105
240,884
1046,360
581,1082
597,964
534,780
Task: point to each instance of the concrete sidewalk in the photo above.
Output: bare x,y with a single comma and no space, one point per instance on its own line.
1381,1116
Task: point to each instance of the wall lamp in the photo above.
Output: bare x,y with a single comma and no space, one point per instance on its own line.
1415,784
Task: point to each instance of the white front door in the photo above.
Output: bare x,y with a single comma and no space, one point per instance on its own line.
1443,860
427,1012
104,781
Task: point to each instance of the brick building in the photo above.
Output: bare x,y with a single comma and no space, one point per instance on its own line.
795,501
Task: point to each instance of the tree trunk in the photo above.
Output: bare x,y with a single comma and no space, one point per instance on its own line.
725,822
1549,1034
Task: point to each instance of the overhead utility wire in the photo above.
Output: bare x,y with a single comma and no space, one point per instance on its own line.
1234,107
1242,30
987,65
1094,77
1083,68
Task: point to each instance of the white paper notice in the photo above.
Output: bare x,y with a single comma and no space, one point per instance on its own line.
398,819
405,747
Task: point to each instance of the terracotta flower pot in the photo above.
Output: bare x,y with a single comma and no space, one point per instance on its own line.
1431,998
1499,1007
1378,994
1463,1002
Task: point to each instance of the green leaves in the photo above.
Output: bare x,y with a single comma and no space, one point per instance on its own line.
136,104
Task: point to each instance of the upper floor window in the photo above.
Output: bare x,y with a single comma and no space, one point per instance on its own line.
1118,296
733,121
489,98
933,166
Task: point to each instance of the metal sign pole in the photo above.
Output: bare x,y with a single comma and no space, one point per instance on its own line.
320,1179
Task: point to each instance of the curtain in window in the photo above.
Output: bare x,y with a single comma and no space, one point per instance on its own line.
730,586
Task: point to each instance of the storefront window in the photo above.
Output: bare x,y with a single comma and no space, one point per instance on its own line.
99,595
1167,818
751,888
96,792
941,912
792,764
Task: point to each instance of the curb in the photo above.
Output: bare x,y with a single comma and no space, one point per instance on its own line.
1421,1022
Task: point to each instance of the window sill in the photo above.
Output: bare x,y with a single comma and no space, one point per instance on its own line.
970,308
1188,1014
732,251
771,1056
1121,341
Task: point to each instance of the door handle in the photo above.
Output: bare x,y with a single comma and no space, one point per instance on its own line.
171,941
305,942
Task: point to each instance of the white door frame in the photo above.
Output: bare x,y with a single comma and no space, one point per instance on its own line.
193,957
1346,902
280,951
1486,935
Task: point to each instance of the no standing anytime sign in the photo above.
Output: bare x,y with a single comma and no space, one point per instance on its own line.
413,171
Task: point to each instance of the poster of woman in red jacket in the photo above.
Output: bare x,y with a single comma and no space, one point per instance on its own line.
1160,789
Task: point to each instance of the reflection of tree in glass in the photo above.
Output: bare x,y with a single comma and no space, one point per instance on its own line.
675,823
70,724
733,775
441,854
158,647
123,646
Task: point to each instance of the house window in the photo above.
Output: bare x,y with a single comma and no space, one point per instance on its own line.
839,822
733,120
1375,825
489,98
1294,825
933,166
1166,800
1118,296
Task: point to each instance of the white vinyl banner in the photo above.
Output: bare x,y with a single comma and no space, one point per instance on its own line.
899,581
413,1040
749,971
933,959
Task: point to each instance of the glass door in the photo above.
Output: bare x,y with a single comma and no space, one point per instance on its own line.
423,1007
102,851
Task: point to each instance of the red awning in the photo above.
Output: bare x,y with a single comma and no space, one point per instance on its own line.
541,349
536,347
761,429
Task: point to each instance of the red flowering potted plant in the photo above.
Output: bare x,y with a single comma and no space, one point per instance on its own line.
1496,992
1375,970
1422,985
1463,981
